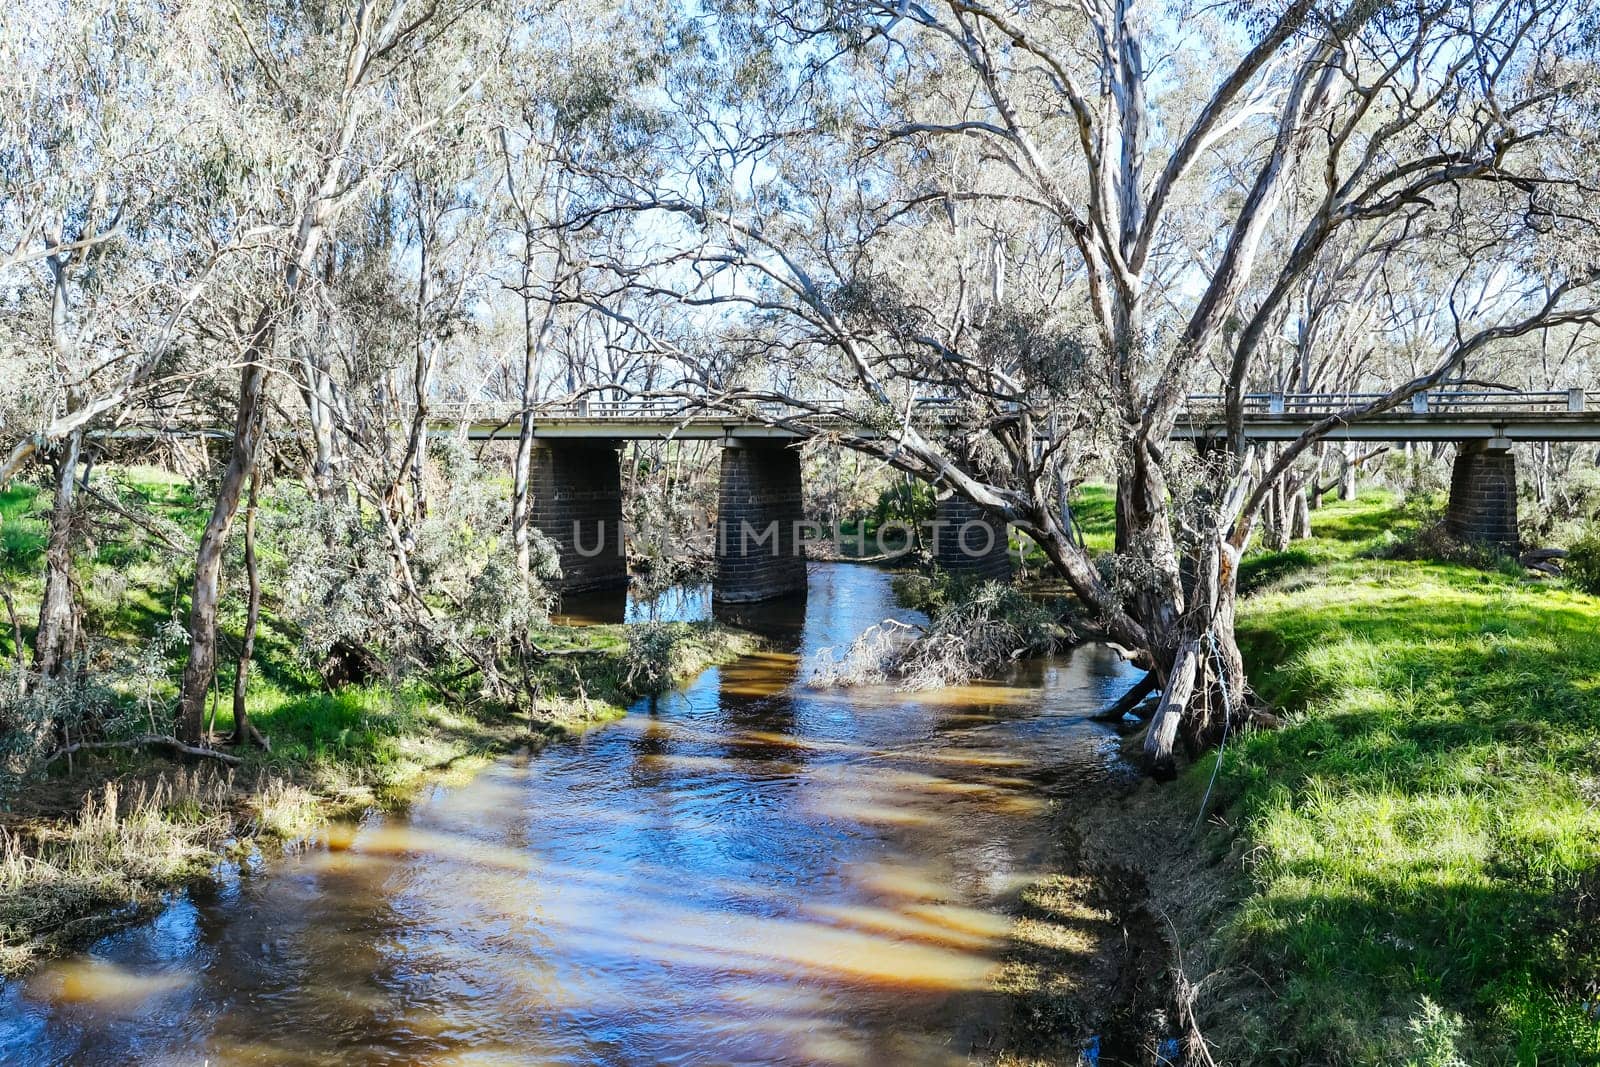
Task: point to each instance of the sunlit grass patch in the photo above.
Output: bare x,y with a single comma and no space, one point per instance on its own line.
1423,854
22,543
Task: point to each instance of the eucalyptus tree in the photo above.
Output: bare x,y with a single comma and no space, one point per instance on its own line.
105,246
1072,216
333,99
567,103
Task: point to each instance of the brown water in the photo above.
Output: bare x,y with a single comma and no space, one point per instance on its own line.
744,871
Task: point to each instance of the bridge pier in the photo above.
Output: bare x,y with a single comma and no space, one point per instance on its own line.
576,487
1483,495
759,522
969,542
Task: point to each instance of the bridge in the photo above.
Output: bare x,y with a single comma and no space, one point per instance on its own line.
1443,415
576,484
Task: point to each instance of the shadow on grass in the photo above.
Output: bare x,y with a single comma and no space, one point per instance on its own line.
1354,969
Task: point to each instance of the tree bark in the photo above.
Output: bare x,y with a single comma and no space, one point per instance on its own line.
521,466
1300,514
202,662
57,632
242,730
1163,732
1277,518
1136,695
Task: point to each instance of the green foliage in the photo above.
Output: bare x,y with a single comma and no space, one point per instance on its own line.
1421,480
649,655
906,501
1571,509
1435,543
333,569
1436,1034
329,565
1424,830
666,506
1582,565
31,723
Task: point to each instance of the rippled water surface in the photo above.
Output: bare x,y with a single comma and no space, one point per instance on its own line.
746,870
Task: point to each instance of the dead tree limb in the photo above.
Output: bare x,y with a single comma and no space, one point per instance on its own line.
1131,699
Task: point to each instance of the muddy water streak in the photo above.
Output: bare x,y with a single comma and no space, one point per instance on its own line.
744,871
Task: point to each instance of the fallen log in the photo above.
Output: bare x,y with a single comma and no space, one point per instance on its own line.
155,740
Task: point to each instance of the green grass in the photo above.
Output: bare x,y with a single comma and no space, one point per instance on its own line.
1095,509
1423,834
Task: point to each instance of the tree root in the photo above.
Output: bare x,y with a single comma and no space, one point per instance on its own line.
251,736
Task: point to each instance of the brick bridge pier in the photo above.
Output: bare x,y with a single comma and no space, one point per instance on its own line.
760,519
968,541
1483,495
577,502
576,488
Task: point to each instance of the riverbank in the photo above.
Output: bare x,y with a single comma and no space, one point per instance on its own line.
102,837
94,837
1408,871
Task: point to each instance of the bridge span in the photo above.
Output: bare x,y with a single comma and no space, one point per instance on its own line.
760,520
577,488
1444,415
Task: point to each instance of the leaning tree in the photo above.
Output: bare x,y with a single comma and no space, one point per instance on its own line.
1071,217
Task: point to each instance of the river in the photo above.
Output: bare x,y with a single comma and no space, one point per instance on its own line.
744,870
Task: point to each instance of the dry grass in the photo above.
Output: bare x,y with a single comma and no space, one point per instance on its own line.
66,880
63,880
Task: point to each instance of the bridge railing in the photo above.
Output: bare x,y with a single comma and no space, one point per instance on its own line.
647,409
1198,406
1429,401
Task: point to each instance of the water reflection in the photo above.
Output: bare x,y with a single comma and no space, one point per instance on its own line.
678,603
743,871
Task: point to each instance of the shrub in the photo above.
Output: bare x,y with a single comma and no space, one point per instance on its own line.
1435,543
976,629
649,655
1582,566
333,564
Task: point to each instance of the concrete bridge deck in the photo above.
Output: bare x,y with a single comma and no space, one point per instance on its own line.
1453,415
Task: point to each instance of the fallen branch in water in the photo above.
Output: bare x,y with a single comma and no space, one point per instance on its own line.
157,740
1130,700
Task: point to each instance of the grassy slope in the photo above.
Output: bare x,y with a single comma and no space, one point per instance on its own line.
1094,508
70,861
1422,837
